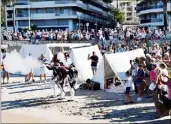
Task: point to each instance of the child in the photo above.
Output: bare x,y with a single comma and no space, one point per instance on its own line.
128,85
139,81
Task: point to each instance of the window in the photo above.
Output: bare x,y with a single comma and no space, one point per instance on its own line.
50,10
33,11
39,10
22,13
64,10
23,23
63,22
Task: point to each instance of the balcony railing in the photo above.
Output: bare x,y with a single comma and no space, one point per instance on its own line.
21,3
149,7
21,15
154,20
64,1
66,14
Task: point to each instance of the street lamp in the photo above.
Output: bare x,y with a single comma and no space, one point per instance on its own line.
96,28
29,14
87,24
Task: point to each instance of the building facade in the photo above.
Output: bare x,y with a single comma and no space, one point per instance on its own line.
151,13
129,9
59,14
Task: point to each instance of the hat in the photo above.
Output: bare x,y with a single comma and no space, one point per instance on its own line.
140,65
148,55
166,54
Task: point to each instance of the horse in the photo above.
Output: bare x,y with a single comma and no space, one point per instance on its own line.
63,78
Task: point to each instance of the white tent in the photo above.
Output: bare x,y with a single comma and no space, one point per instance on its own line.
37,50
4,46
79,57
45,49
115,65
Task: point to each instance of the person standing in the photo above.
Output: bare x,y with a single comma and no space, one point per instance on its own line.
94,61
30,74
4,72
43,60
127,86
139,81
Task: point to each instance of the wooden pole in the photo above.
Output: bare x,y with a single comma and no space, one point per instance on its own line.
63,50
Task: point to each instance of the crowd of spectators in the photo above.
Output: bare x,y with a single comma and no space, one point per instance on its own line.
151,76
106,34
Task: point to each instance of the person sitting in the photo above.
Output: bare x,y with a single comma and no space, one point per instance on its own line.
67,65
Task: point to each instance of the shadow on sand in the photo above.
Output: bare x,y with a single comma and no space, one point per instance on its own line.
6,105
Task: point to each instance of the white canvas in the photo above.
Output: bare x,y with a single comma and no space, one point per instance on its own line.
37,50
119,63
79,57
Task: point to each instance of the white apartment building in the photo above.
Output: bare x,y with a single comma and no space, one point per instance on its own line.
129,9
151,14
59,14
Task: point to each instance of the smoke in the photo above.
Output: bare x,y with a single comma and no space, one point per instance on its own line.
14,63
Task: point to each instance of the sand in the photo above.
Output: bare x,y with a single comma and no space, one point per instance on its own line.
28,103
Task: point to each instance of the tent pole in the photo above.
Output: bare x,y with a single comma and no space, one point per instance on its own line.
105,83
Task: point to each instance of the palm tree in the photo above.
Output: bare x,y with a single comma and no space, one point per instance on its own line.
4,5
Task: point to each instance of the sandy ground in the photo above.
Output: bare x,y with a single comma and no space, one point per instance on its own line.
30,103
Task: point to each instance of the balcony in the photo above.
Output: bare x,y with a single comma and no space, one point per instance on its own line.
42,4
139,9
154,20
21,3
89,18
64,1
43,16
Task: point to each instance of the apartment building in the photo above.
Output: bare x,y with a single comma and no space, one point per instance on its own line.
129,9
151,13
59,14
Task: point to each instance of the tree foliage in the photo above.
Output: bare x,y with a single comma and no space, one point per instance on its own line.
119,16
4,3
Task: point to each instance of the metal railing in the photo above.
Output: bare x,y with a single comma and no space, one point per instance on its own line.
154,20
64,1
149,7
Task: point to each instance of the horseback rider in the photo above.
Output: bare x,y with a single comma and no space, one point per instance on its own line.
53,64
68,65
55,60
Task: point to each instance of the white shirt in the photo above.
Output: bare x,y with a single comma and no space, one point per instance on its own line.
68,62
128,34
128,83
135,69
164,72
